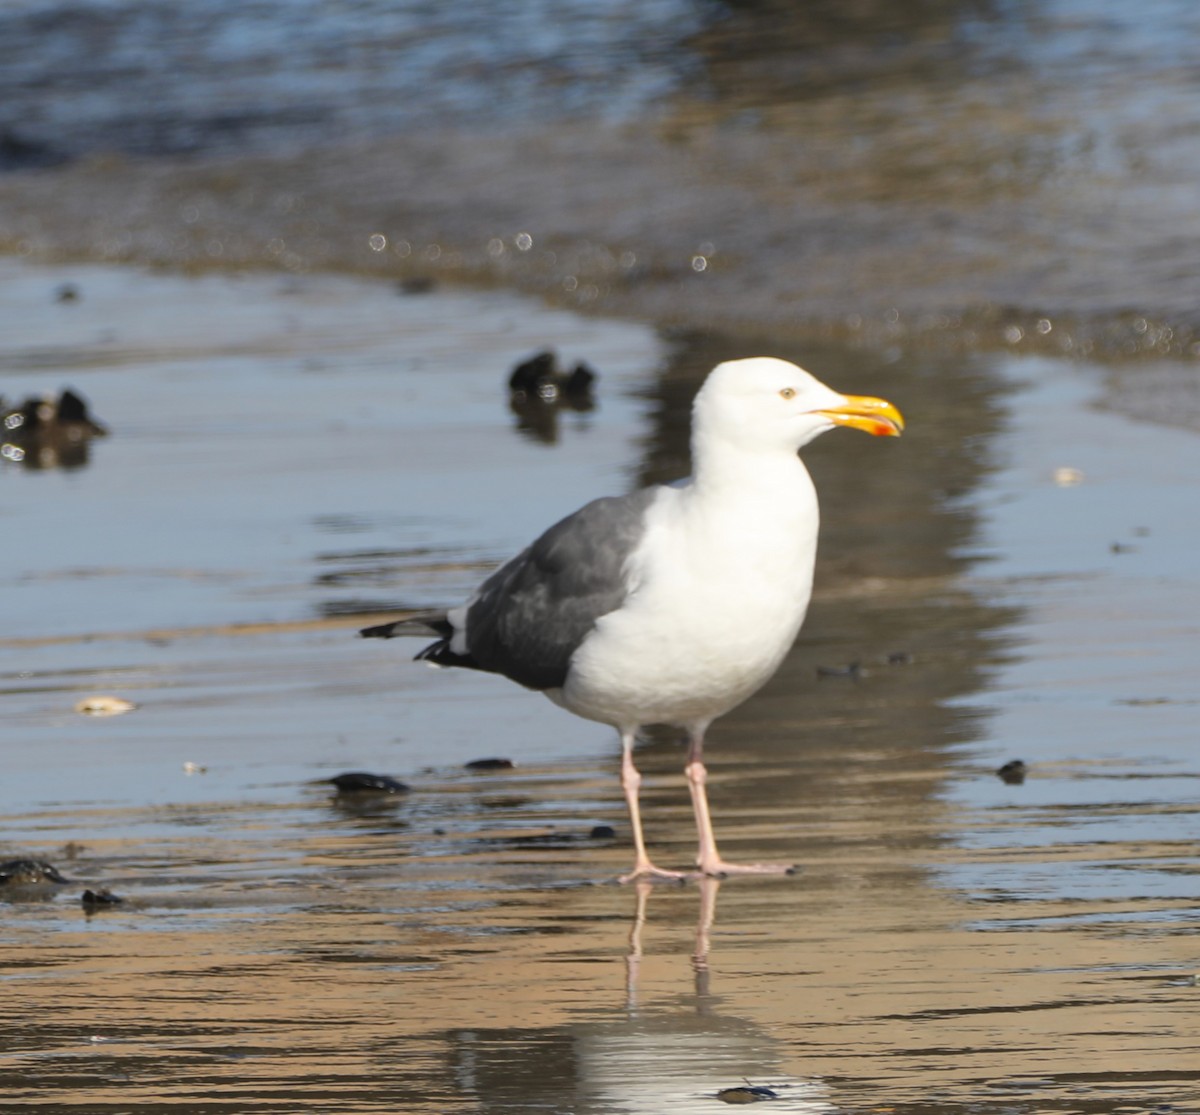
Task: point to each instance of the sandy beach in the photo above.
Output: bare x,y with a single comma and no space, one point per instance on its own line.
308,430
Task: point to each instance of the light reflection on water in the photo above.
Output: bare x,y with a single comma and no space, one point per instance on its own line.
951,944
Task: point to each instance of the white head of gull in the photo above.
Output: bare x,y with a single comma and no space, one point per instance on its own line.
673,604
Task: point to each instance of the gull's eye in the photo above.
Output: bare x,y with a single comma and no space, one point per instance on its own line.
788,393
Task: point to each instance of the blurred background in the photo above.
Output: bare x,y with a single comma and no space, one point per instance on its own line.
957,168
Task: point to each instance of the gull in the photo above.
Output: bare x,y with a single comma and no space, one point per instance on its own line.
672,604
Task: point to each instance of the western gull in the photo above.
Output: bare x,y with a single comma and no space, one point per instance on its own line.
673,604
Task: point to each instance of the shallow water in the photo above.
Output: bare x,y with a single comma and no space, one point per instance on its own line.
284,452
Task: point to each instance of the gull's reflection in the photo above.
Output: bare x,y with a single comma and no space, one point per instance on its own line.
708,888
633,960
704,922
679,1055
654,1052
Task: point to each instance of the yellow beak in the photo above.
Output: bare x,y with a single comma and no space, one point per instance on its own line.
875,416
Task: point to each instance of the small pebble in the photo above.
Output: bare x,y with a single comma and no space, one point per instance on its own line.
490,764
100,899
190,768
852,670
416,285
602,832
747,1093
1013,772
104,706
1068,477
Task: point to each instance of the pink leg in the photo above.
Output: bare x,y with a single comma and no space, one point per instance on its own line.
631,781
709,859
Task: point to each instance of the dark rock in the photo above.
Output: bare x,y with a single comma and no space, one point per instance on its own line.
47,432
360,782
1013,772
24,872
417,285
539,379
536,377
19,152
747,1093
577,387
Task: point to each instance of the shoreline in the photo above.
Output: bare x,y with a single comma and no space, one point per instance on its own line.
694,242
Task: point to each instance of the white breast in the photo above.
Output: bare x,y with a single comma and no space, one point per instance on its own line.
722,583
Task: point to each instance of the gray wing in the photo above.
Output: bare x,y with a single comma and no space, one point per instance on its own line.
530,616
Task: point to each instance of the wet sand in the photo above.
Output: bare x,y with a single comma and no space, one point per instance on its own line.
288,453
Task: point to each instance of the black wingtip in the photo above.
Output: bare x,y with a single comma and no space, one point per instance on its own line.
435,653
440,654
379,631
